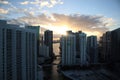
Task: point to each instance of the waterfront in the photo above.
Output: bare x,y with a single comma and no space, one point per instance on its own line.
51,73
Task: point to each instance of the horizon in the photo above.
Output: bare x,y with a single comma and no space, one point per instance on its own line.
58,35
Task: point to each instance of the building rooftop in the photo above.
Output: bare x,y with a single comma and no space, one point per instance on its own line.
100,74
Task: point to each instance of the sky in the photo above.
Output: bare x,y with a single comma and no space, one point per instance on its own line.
93,17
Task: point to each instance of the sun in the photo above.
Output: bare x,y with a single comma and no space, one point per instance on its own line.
62,30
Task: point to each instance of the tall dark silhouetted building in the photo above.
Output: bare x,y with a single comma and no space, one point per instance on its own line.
69,32
110,46
105,43
115,45
48,40
92,49
110,49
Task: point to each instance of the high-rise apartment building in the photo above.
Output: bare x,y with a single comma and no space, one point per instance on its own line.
68,50
106,47
82,49
44,51
115,46
110,45
18,52
76,50
37,28
48,40
92,49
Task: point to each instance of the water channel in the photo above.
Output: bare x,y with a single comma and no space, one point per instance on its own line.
51,72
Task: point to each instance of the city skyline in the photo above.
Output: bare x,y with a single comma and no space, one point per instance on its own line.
22,56
59,39
94,17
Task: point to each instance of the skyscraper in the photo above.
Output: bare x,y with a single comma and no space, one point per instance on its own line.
115,46
44,51
18,52
76,51
106,47
68,50
37,28
82,49
92,51
48,40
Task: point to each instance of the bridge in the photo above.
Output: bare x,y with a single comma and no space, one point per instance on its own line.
47,65
56,41
57,56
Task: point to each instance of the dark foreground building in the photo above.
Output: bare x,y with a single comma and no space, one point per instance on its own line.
48,40
18,52
92,49
115,45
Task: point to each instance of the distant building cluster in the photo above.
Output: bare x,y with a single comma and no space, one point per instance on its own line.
46,47
78,49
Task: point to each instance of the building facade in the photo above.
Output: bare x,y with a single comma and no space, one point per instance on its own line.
78,52
82,49
106,47
115,46
68,50
44,51
48,41
18,52
92,49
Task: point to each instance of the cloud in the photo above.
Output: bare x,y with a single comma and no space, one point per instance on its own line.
3,11
4,2
24,3
15,21
9,9
91,24
6,7
43,3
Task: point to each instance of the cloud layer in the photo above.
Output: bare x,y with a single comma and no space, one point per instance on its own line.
87,23
43,3
91,24
3,11
26,8
4,2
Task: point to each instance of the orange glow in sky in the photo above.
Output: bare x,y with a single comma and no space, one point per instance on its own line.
60,30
